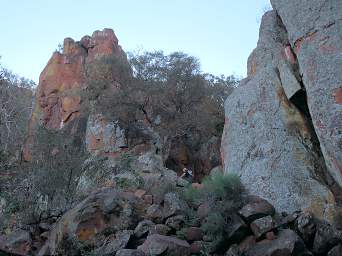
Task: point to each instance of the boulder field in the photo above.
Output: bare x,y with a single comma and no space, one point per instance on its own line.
112,221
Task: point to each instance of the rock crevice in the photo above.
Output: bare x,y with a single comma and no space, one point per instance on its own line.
268,138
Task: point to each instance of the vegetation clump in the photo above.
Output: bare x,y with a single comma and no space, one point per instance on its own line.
223,194
15,109
168,93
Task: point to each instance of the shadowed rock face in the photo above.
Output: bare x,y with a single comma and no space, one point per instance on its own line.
58,97
268,137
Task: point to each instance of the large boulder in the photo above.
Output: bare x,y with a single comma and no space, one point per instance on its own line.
104,137
58,97
267,138
173,204
107,210
305,226
314,31
256,208
165,245
286,244
262,225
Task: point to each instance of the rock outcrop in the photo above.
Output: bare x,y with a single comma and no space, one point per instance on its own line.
104,209
114,221
290,97
314,33
74,98
58,97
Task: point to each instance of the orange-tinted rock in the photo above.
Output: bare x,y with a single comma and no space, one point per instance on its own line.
104,137
338,95
63,73
58,97
103,43
289,55
100,210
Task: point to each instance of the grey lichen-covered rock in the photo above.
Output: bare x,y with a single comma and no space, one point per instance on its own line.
262,225
103,136
155,213
165,245
160,229
173,204
175,222
266,139
256,209
305,226
287,243
107,209
143,228
114,244
314,31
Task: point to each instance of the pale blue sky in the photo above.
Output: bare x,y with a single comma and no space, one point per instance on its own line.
221,33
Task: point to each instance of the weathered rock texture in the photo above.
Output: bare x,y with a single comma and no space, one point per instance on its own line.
58,97
114,221
107,208
269,139
74,98
104,136
314,32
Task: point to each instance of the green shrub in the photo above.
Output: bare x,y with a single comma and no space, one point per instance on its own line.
126,160
218,187
224,193
222,187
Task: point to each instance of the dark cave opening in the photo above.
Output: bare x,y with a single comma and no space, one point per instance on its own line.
299,99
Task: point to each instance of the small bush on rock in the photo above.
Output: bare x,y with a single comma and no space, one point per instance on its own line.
223,193
218,187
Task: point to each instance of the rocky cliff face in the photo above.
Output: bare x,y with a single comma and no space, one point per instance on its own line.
282,136
58,98
283,124
73,98
314,34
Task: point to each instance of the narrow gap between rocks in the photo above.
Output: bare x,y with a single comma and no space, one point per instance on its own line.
299,99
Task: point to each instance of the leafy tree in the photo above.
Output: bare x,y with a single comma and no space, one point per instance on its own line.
224,194
15,110
169,93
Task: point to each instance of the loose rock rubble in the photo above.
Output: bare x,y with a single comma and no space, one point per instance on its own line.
115,222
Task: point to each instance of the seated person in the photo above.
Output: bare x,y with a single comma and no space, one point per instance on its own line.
187,175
